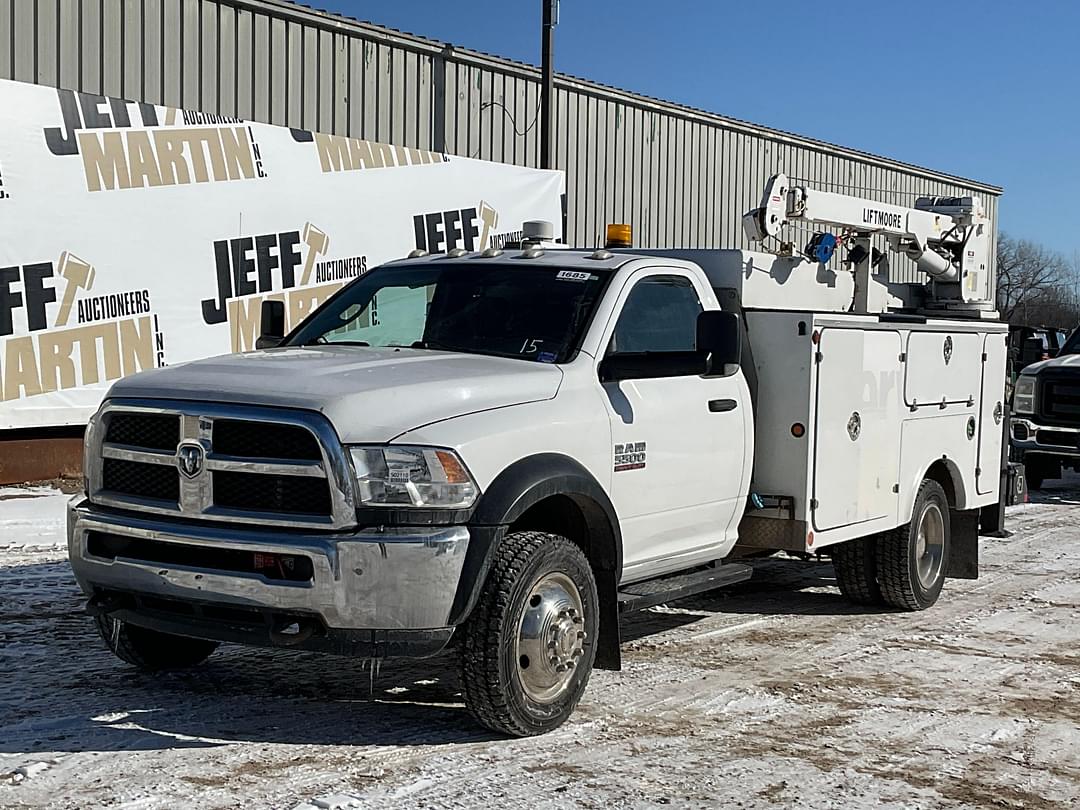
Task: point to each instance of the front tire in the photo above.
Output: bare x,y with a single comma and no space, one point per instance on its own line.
912,559
1036,471
527,649
151,650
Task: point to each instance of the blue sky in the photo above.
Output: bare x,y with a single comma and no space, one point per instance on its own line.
988,90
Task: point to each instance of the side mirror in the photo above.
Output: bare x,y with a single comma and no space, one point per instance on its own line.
719,338
272,325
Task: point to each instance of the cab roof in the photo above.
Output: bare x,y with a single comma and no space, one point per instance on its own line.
560,257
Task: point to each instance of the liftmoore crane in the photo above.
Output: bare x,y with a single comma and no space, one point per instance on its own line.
948,238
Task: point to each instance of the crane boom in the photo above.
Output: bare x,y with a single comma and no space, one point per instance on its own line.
948,238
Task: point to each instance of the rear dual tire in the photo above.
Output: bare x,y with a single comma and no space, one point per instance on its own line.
903,568
855,563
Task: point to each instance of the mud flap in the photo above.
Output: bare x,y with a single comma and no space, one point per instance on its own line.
608,648
963,544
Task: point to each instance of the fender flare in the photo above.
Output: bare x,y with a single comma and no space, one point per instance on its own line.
530,480
960,494
522,485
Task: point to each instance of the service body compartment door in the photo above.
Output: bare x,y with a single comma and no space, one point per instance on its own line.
857,427
991,412
943,367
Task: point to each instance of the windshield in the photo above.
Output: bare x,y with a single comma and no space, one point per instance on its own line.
534,313
1072,345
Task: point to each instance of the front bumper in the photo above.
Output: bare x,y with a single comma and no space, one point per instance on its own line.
1028,437
373,592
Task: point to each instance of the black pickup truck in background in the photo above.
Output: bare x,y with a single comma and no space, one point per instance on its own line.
1030,344
1046,411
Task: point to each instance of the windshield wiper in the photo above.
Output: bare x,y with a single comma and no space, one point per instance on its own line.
435,345
321,341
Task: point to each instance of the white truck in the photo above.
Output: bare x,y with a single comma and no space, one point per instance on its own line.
500,451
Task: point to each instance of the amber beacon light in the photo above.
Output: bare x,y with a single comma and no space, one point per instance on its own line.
619,235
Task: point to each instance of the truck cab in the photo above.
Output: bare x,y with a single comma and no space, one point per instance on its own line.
346,490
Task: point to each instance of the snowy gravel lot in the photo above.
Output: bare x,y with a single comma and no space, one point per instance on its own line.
776,692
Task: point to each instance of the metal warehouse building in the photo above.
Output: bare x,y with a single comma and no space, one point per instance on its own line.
680,176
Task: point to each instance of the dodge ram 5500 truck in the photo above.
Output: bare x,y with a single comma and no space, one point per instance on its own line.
500,451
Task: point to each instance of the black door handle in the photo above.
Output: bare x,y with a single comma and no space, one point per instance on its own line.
721,405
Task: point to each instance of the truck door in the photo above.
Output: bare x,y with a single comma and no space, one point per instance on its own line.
679,439
991,412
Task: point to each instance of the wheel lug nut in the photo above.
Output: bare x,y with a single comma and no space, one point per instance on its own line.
561,668
578,620
582,634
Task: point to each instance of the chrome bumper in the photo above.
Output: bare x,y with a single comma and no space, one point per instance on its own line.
372,580
1051,440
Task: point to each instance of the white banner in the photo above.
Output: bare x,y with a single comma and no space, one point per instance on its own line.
134,236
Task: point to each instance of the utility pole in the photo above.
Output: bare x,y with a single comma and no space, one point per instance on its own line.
547,81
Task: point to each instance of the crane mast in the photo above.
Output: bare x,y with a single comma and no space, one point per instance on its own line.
947,238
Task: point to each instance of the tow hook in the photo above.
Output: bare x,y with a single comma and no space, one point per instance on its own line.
102,605
289,632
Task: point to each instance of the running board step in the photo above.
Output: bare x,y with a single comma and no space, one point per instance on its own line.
657,591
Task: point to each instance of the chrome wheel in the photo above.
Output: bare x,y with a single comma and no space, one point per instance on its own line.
551,637
930,546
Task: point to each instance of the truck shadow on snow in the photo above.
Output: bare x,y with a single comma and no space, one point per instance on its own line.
67,693
1061,495
779,587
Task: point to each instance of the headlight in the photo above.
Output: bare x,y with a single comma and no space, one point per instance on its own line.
90,440
412,476
1024,394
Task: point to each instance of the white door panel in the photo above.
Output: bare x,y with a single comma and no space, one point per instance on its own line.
685,495
857,429
942,367
991,413
677,465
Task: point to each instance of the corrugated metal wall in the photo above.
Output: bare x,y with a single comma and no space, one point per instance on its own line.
679,176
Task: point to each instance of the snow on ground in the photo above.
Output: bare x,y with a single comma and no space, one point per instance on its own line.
776,692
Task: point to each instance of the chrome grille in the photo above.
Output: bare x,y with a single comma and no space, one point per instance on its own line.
145,480
271,493
1059,400
235,437
219,462
151,430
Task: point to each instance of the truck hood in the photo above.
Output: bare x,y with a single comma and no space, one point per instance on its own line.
369,394
1067,362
